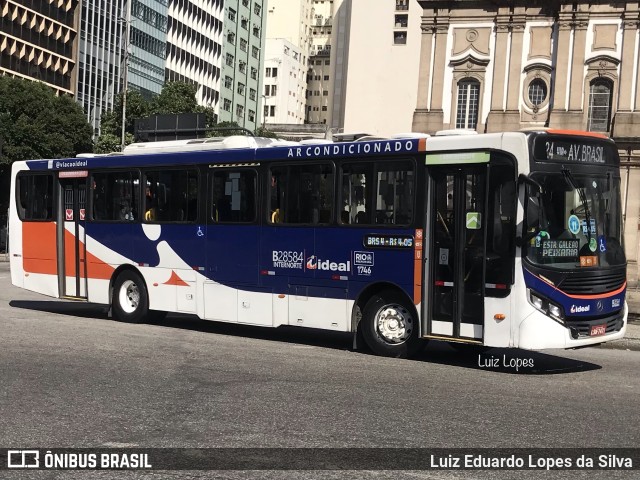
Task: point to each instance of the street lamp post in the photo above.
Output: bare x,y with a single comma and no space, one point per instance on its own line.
125,72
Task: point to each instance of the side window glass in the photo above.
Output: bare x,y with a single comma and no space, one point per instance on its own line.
35,197
357,179
501,225
394,193
234,196
115,196
171,196
301,194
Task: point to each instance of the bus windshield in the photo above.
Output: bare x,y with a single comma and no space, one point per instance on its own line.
575,222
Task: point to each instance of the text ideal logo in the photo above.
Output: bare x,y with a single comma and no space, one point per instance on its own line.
580,308
314,263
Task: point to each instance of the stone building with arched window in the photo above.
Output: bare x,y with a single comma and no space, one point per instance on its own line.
497,65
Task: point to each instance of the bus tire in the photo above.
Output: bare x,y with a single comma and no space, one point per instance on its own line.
390,327
130,300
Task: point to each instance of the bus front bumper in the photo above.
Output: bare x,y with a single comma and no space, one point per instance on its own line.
539,332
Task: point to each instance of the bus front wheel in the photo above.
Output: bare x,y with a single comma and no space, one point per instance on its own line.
130,300
389,326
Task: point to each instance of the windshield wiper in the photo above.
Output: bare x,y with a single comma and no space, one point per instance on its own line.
568,177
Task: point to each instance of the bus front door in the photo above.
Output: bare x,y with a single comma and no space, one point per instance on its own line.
72,274
455,290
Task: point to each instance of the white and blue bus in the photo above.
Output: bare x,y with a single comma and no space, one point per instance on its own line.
499,240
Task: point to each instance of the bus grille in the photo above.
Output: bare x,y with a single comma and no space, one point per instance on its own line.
582,328
585,285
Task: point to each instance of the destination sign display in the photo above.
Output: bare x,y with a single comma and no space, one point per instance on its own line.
560,149
387,241
560,249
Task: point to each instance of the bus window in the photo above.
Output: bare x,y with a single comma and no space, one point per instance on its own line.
301,194
115,196
356,193
501,226
35,197
394,193
234,196
171,196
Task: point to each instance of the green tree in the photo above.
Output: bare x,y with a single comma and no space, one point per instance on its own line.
35,123
265,132
111,122
175,97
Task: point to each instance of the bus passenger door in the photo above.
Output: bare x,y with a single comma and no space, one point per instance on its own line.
72,276
457,218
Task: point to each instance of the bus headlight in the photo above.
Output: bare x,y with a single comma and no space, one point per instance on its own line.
545,306
555,311
537,302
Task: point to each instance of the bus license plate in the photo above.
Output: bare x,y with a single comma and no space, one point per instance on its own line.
598,330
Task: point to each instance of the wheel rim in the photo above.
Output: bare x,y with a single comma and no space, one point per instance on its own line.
129,296
394,323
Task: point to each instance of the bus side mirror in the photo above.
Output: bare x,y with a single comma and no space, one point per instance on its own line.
526,180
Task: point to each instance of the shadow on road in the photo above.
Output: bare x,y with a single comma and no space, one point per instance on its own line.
503,360
498,360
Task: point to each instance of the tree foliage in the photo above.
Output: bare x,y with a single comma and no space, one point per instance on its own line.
35,123
175,98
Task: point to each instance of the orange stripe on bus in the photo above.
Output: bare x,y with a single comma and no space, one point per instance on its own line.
579,133
39,247
176,280
417,267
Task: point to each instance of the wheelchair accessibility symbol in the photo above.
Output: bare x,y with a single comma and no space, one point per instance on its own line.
200,233
602,245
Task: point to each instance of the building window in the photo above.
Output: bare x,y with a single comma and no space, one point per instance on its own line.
241,88
257,9
231,38
399,38
243,45
402,4
325,93
256,31
254,73
324,108
245,3
226,105
600,94
229,60
243,66
228,81
326,77
274,72
244,23
254,52
537,92
252,116
232,15
239,110
402,21
272,110
252,93
468,97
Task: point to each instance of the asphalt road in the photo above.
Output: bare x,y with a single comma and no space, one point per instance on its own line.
71,377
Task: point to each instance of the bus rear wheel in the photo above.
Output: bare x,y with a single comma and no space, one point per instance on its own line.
130,299
390,327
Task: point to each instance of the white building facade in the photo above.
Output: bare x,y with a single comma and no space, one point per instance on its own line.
284,82
194,46
375,59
